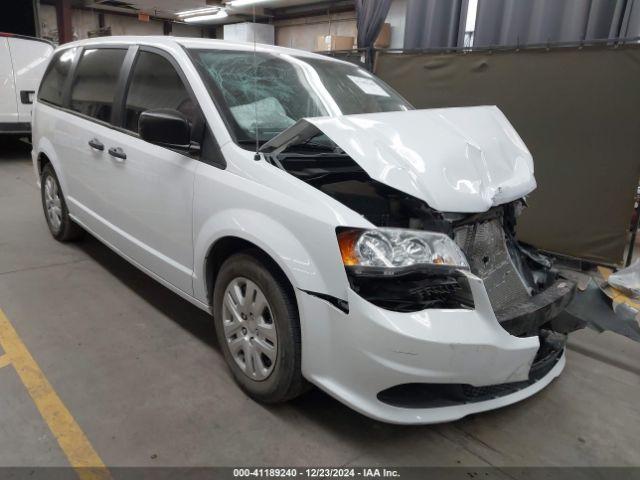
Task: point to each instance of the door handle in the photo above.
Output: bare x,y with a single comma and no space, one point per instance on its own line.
118,153
26,96
97,144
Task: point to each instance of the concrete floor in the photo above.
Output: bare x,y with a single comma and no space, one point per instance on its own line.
140,371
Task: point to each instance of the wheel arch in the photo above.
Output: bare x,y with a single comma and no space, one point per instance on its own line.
229,245
41,161
46,154
230,230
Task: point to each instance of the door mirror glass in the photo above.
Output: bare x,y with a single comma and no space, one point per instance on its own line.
165,127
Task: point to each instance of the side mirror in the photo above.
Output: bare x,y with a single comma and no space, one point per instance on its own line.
166,127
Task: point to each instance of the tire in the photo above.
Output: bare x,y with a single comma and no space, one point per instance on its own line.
284,381
60,225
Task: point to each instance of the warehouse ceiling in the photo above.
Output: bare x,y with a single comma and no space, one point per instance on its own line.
175,6
171,9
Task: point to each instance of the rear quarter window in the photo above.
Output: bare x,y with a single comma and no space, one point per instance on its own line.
53,82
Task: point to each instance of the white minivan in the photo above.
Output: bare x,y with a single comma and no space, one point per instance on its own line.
338,236
22,63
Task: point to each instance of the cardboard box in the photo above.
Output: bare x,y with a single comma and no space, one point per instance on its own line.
328,43
384,38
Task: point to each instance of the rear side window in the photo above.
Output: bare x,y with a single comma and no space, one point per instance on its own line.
52,86
156,84
94,86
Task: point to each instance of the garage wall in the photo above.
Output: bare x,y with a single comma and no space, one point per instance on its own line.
577,111
121,25
183,30
302,32
84,21
48,23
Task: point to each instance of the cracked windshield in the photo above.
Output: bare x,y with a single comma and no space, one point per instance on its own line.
266,93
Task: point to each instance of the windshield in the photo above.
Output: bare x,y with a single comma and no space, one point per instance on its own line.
267,94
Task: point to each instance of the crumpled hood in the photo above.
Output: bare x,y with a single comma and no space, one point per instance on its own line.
464,159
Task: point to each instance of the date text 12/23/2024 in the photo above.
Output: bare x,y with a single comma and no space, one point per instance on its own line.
317,472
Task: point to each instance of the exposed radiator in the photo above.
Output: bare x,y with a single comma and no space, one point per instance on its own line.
485,246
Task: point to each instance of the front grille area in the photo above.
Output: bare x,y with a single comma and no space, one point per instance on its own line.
484,244
414,292
521,305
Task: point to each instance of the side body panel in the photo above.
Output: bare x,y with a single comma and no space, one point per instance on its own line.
291,221
143,203
30,59
8,106
52,124
83,168
54,137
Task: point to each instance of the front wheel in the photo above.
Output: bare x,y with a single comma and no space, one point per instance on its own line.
258,329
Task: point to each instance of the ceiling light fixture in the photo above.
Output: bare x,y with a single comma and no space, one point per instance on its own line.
204,18
242,3
197,11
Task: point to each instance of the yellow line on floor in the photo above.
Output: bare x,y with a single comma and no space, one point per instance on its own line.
4,360
67,432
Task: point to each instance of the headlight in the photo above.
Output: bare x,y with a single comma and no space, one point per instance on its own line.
396,248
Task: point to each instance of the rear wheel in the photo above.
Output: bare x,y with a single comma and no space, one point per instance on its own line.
258,328
55,208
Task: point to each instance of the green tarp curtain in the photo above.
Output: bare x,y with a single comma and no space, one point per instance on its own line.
578,111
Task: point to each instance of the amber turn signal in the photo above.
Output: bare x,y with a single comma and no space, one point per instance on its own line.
347,241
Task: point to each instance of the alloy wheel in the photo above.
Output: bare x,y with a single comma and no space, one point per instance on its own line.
249,328
53,204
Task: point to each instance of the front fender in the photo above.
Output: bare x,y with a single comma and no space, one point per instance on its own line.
279,242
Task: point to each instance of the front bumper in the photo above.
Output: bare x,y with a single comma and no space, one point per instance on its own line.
527,317
357,355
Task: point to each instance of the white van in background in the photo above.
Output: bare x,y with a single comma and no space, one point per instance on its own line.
22,64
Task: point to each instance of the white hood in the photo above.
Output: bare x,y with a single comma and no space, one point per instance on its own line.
455,159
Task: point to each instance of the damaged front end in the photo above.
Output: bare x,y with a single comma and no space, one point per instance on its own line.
474,205
526,293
